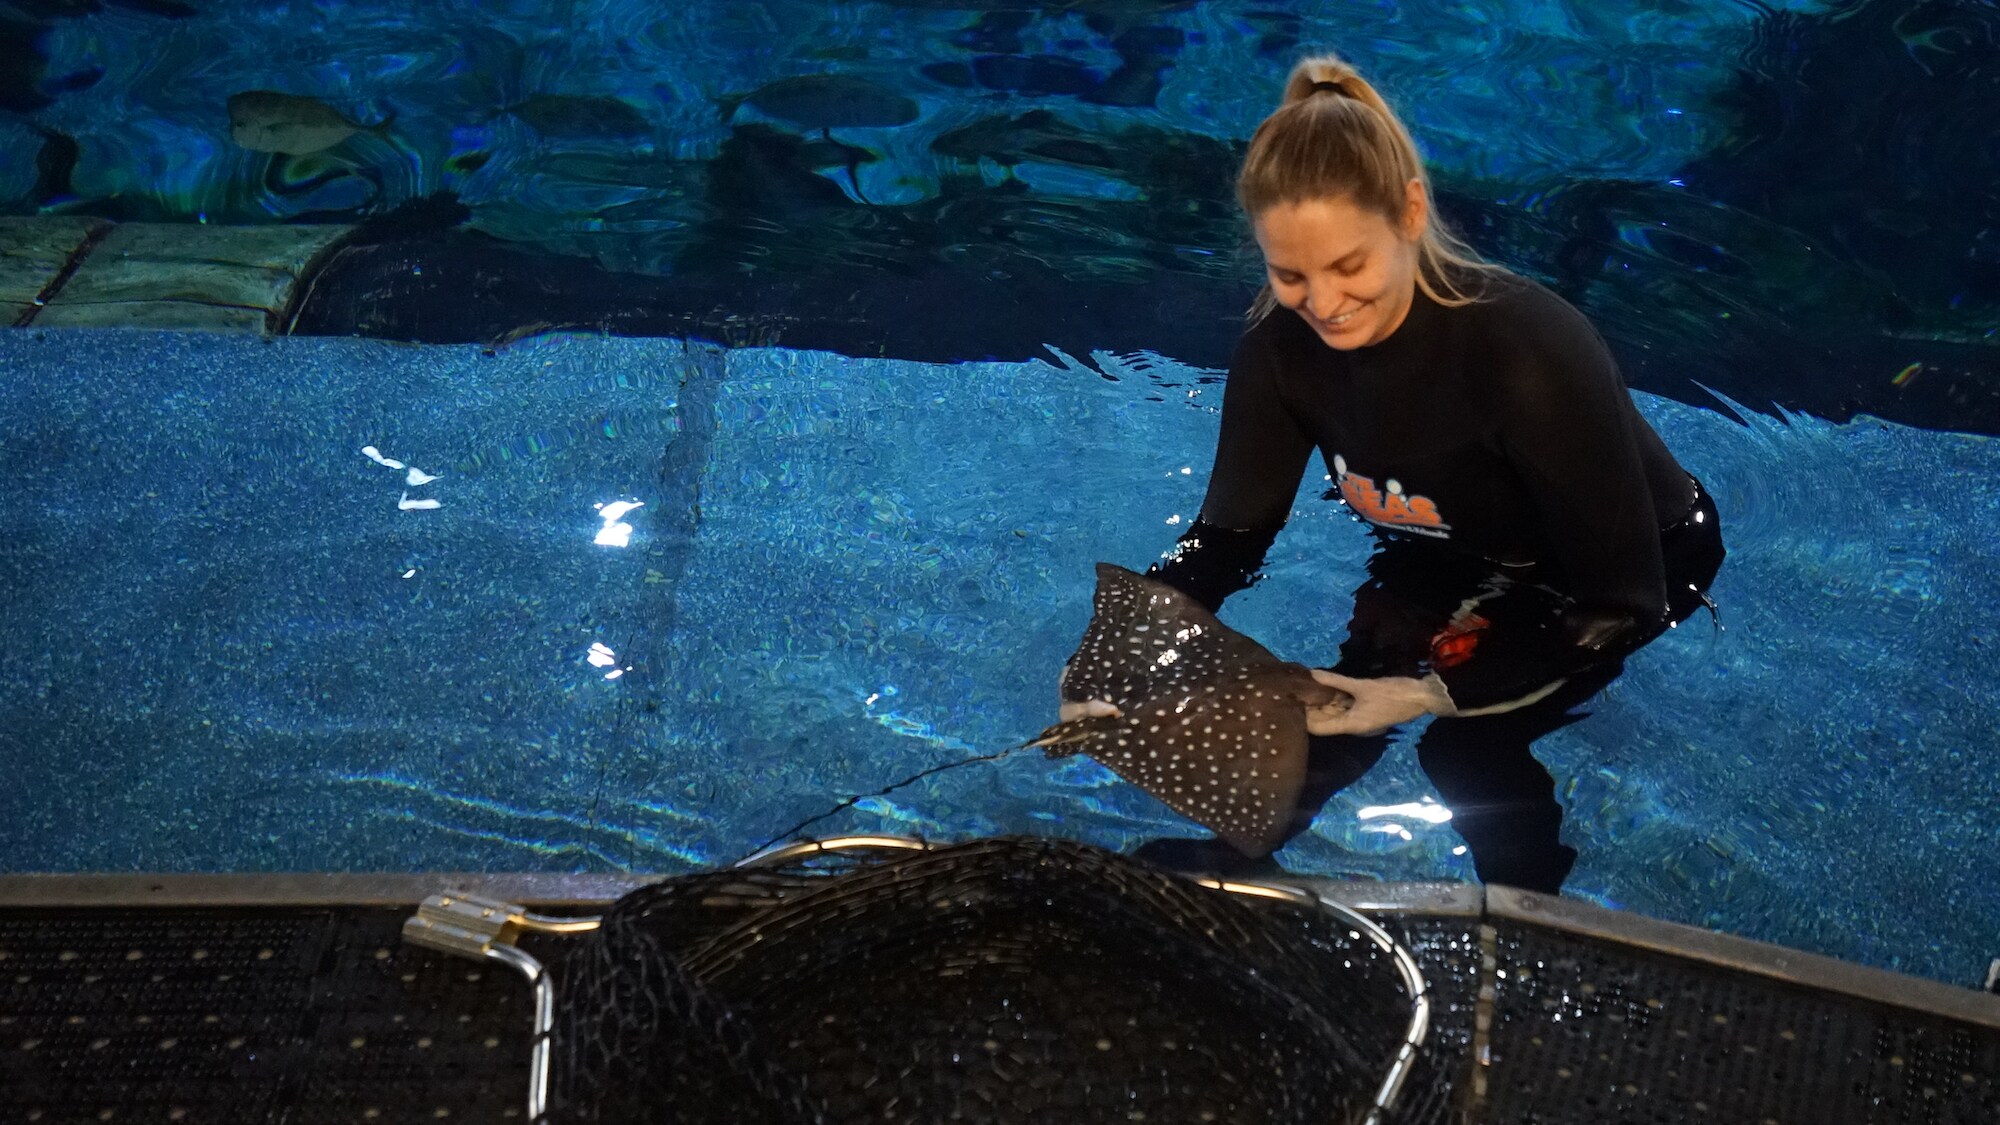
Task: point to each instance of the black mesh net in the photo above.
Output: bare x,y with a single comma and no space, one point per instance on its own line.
1008,980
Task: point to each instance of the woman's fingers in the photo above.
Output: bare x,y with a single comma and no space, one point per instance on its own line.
1335,680
1330,719
1088,709
1351,722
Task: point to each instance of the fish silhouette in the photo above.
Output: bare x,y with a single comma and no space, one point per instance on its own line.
289,124
827,101
579,116
1207,720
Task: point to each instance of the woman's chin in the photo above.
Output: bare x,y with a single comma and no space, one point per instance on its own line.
1342,339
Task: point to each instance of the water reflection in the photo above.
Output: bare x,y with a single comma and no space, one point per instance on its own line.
616,532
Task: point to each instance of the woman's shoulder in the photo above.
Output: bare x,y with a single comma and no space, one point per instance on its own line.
1510,308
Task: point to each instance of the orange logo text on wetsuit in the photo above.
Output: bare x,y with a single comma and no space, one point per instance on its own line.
1388,506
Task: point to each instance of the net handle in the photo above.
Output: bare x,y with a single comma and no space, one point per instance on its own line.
780,853
1402,958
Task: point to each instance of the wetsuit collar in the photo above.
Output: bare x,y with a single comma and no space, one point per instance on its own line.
1409,335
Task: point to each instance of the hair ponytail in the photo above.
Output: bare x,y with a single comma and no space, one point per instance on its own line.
1334,137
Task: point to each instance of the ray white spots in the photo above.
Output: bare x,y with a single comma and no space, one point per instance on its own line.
1250,706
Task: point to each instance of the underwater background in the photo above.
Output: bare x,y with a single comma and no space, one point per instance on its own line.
1793,203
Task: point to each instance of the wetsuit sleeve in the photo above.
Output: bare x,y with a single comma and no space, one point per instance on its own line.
1209,563
1567,427
1260,456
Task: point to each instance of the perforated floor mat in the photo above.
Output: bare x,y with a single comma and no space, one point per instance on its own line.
297,1016
1447,950
267,1016
1605,1035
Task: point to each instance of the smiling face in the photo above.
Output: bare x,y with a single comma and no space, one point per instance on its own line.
1348,272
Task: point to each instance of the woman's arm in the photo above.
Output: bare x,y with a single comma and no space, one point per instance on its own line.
1568,427
1260,455
1577,446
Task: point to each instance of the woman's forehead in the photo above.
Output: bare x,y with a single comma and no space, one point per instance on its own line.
1319,227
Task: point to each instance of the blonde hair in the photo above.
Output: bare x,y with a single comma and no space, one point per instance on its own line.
1334,137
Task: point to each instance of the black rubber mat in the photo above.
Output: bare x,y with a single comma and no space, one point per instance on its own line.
1604,1035
293,1016
288,1016
300,1016
1447,950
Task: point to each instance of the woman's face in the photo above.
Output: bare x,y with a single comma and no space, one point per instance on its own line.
1348,272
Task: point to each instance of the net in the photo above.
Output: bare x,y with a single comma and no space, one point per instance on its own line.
1007,980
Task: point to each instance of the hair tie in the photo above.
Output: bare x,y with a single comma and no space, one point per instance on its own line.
1329,87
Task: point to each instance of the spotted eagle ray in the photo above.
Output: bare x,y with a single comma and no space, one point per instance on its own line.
1206,719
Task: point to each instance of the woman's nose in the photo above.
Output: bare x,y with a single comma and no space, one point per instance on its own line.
1322,301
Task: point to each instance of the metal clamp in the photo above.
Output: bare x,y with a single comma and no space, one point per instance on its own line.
485,929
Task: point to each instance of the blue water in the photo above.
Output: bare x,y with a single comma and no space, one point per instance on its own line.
226,647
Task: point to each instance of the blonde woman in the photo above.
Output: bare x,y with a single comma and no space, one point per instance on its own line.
1533,529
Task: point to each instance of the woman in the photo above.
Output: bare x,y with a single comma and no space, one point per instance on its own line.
1533,529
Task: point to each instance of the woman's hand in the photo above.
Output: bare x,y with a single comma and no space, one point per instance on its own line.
1379,703
1088,709
1068,712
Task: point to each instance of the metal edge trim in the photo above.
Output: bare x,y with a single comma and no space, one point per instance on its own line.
40,891
1462,900
1812,971
304,889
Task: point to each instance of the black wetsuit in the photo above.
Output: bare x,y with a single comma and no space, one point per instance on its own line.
1532,528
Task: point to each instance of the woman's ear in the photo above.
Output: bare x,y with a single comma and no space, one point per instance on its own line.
1416,210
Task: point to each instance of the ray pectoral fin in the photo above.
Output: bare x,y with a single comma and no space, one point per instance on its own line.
1193,712
1235,766
1262,769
